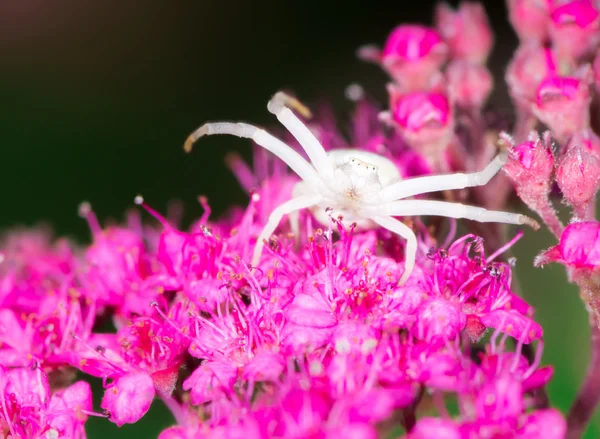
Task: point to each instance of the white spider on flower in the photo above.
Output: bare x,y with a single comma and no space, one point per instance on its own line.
363,187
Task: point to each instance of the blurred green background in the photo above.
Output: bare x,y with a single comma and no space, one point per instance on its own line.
96,98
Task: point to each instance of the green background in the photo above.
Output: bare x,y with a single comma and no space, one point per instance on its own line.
96,98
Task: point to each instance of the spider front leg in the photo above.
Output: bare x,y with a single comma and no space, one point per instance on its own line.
455,210
262,138
436,183
295,204
410,251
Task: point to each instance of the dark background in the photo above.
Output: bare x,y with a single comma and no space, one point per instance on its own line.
97,97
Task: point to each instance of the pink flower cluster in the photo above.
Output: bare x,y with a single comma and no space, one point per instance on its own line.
320,340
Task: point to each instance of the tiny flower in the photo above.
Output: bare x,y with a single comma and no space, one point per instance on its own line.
530,19
531,63
412,55
425,119
563,103
574,29
579,247
578,172
471,84
466,31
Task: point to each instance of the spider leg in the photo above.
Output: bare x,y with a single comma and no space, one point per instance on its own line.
315,151
435,183
410,252
286,208
262,138
455,210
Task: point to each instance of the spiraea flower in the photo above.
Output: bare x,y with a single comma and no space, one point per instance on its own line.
412,55
563,103
574,28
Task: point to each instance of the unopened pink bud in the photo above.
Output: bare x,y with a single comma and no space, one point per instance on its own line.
424,119
563,103
578,171
530,19
579,247
530,65
411,56
574,29
530,166
471,84
466,31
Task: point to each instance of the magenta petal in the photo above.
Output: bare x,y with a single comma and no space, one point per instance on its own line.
539,378
429,428
129,398
514,324
209,380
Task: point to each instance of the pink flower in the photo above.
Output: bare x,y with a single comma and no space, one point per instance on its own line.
530,19
471,84
530,166
530,64
563,103
578,172
411,56
579,247
425,119
466,31
574,29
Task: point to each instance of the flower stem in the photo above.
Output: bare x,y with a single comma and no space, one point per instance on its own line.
588,397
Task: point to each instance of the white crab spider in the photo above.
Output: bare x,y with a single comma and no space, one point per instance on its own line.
363,187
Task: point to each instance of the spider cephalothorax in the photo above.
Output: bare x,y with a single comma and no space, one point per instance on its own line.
361,186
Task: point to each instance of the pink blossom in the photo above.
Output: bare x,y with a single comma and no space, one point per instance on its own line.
425,120
563,103
579,247
411,56
466,31
574,28
530,64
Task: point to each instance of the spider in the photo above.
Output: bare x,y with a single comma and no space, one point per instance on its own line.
363,187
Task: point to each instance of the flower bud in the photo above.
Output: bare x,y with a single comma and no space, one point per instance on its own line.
579,247
530,65
530,19
574,29
425,119
411,56
563,103
471,84
530,166
466,31
578,171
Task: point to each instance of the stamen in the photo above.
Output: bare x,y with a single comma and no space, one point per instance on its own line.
85,211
